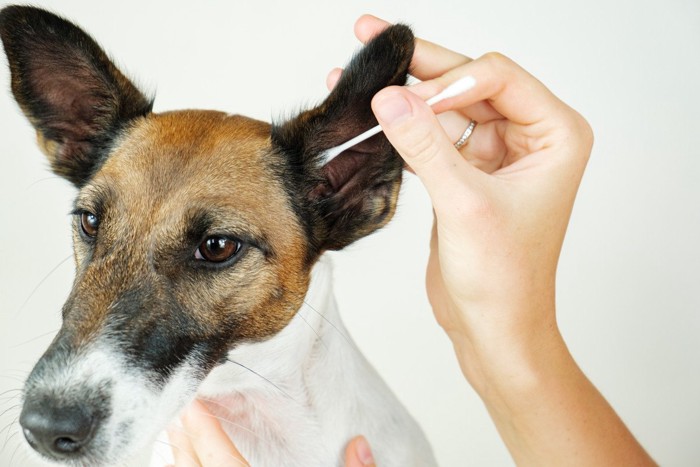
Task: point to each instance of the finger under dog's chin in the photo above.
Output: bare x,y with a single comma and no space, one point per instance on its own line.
182,450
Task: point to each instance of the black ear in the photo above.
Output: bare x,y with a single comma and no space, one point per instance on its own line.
355,193
68,88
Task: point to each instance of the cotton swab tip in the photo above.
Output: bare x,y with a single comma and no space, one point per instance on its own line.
460,86
332,152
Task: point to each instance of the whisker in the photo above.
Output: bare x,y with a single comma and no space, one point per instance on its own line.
15,451
237,425
31,294
323,317
7,429
9,398
347,339
34,338
24,457
12,407
261,376
14,378
42,180
173,446
312,329
9,433
10,390
226,420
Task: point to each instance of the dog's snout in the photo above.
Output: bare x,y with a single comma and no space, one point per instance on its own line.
56,432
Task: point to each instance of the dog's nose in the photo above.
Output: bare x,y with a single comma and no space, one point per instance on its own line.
57,432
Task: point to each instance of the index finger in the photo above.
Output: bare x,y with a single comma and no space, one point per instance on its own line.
429,60
511,91
209,441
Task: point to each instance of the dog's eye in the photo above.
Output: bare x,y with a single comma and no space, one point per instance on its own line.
89,224
217,249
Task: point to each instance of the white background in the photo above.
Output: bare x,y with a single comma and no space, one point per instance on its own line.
628,296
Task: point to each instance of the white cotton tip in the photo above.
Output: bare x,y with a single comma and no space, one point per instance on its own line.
329,154
458,87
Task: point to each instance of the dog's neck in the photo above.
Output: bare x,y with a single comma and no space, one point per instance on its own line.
271,367
277,391
310,386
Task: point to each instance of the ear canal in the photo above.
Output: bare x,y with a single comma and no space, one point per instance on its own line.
68,88
355,193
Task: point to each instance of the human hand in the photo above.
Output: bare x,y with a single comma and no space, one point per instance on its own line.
502,203
202,442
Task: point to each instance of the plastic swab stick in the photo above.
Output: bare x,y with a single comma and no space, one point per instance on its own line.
458,87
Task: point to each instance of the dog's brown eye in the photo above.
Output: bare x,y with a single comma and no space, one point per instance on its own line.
89,223
217,249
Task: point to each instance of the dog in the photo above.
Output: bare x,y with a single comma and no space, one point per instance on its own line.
199,242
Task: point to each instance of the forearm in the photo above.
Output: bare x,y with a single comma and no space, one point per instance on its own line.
544,407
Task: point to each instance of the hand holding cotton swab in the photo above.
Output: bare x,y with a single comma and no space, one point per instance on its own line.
458,87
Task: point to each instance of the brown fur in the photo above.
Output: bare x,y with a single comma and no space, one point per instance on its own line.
159,185
146,189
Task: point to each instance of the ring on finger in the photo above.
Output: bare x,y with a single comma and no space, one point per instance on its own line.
465,136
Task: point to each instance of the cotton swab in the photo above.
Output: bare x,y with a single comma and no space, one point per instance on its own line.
458,87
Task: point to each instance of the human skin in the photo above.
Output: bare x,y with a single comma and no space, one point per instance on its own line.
201,442
502,205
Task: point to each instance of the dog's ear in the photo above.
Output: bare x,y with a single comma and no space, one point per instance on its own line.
68,88
355,193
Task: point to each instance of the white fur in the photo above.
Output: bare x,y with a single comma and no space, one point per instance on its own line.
312,393
138,409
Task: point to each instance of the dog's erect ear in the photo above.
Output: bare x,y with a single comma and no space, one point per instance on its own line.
68,88
355,193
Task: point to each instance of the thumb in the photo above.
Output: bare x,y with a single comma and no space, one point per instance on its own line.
414,130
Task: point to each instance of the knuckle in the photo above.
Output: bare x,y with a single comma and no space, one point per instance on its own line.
582,133
586,130
424,148
497,60
419,143
501,66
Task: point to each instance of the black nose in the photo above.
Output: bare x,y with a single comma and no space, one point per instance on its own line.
56,431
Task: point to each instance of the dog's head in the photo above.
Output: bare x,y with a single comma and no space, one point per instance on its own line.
194,231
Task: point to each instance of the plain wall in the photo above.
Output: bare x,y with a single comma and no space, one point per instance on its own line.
628,299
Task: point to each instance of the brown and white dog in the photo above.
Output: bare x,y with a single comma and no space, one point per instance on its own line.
198,241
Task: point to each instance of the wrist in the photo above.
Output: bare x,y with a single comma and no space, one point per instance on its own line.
544,407
504,353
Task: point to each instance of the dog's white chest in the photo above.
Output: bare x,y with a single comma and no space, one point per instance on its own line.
299,397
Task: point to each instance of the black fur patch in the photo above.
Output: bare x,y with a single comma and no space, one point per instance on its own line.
69,89
158,334
354,194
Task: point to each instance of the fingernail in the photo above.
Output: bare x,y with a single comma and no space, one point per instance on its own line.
364,453
391,107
